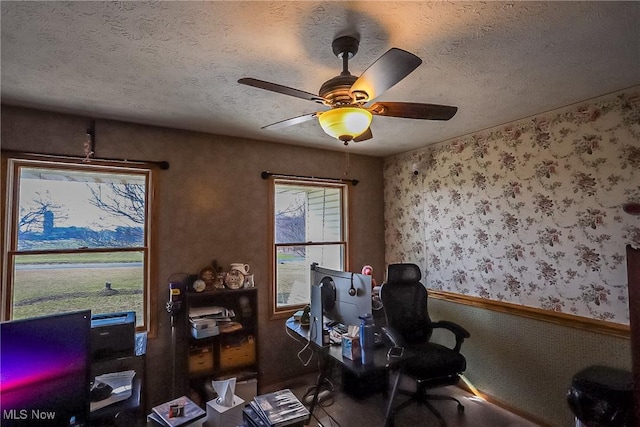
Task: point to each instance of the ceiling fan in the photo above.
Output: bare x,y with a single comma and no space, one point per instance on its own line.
349,97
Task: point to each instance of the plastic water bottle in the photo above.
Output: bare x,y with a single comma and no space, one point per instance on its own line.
367,337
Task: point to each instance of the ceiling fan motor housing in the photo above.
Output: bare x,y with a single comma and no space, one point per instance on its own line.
345,44
336,90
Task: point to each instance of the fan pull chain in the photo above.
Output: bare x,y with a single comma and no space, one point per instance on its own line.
346,159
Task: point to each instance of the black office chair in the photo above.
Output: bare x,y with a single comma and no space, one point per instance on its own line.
404,300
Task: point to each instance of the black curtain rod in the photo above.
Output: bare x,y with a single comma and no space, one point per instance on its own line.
267,175
161,164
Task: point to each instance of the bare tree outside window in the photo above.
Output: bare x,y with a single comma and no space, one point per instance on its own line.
39,214
80,242
126,200
290,222
308,228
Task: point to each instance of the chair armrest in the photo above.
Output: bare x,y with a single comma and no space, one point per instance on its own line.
460,332
393,336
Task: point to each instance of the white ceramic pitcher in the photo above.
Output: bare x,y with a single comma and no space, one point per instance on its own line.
242,268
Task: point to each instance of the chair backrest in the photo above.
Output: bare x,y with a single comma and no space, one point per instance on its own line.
404,300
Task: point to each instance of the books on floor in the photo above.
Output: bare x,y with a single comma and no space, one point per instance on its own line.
252,418
278,409
177,413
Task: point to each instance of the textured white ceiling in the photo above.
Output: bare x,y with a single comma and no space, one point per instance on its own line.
176,64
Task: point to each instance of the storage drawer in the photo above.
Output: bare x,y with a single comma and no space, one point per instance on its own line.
200,359
238,352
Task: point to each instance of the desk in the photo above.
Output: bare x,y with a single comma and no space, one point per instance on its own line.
333,354
122,413
119,413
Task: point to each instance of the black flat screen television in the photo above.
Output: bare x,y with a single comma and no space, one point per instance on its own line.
45,371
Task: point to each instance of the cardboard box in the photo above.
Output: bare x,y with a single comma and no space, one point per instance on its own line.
235,354
200,359
350,347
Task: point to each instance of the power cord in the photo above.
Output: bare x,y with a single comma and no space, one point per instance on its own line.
325,392
332,421
325,397
306,347
328,386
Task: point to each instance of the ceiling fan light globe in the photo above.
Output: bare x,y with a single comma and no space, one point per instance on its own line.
345,123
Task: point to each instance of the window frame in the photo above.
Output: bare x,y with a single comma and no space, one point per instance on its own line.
11,165
284,312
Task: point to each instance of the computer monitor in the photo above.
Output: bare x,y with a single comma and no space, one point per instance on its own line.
45,371
338,296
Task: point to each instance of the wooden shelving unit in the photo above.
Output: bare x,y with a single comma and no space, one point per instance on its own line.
230,353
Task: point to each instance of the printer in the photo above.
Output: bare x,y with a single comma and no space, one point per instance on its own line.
113,335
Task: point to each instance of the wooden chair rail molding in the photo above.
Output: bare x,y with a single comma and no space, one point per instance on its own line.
564,319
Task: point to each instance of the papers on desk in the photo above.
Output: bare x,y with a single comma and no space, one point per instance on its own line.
122,385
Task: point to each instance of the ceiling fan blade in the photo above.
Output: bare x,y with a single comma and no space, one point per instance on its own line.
290,122
366,135
261,84
389,69
413,110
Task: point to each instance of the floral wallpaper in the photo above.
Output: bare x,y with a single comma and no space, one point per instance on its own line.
528,213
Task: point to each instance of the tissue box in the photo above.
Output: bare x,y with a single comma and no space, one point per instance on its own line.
351,347
224,416
246,384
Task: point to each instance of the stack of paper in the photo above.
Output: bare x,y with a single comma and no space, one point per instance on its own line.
220,314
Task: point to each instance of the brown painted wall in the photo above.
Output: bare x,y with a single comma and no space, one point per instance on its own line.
212,204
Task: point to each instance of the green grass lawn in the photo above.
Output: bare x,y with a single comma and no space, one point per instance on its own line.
79,257
288,273
54,290
47,291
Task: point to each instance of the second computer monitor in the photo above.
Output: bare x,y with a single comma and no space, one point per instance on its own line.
339,296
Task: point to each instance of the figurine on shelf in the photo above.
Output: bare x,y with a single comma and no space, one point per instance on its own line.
218,282
248,281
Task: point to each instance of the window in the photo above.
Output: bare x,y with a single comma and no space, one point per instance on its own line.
308,226
78,238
